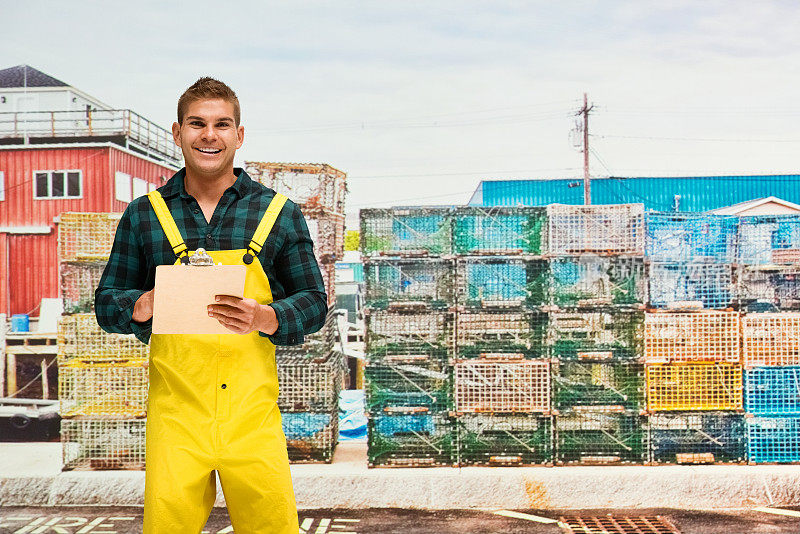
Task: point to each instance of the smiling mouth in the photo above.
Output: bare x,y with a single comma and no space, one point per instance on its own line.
209,150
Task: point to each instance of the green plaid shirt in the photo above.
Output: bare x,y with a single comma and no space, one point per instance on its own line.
288,258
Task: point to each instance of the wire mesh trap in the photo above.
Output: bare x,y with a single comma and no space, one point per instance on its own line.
398,388
769,239
773,390
78,282
501,282
311,437
410,440
705,336
684,237
592,281
600,229
771,339
499,230
103,443
327,233
406,231
405,337
86,236
694,386
103,389
502,386
773,439
774,288
707,437
596,335
600,438
611,386
79,336
400,283
501,334
703,285
309,385
315,187
511,440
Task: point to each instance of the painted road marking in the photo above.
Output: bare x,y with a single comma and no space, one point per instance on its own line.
777,511
527,517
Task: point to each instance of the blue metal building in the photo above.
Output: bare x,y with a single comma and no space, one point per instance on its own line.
689,193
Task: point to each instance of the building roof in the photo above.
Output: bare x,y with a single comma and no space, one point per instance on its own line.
27,76
760,206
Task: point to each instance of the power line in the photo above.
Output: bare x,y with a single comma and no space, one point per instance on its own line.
713,139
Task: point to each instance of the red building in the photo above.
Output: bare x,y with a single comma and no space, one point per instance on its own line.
78,155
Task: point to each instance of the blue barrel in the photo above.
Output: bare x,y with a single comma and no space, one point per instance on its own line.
20,322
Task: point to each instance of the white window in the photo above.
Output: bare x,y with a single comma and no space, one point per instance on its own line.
122,186
2,185
139,187
151,187
58,184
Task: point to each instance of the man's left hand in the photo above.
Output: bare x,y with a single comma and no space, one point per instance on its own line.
242,316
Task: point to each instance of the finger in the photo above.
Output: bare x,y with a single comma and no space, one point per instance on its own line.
231,322
228,300
225,309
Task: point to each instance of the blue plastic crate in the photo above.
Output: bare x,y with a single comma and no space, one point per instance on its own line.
773,439
773,390
681,237
709,283
769,239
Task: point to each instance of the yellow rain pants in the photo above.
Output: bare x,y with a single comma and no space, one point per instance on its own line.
212,406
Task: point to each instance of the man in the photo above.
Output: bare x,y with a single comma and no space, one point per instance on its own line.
212,398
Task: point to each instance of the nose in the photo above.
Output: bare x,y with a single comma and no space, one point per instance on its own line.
208,133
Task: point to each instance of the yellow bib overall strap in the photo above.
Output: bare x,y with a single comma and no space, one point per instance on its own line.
264,227
168,224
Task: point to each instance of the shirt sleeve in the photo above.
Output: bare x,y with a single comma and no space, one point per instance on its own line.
305,305
123,282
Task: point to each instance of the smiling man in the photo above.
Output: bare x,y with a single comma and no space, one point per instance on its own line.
212,400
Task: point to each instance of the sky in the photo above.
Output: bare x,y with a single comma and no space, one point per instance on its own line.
419,101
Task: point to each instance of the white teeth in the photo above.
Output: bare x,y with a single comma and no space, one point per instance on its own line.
209,150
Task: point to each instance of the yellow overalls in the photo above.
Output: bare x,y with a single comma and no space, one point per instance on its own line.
213,406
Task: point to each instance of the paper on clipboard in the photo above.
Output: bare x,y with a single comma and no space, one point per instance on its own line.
183,293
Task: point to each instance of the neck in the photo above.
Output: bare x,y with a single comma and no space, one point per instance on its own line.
208,188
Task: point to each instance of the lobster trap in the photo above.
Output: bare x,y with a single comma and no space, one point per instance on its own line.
616,229
311,437
502,386
598,386
328,272
689,337
773,439
692,438
771,339
79,336
696,285
316,347
78,282
769,239
596,335
313,186
309,385
685,237
588,437
402,283
103,389
327,233
775,287
497,440
407,337
501,334
594,281
773,390
410,440
90,444
499,230
403,388
501,282
406,231
86,236
694,386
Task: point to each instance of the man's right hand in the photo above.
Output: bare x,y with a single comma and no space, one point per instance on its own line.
143,309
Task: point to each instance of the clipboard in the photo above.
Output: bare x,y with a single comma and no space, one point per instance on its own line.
183,293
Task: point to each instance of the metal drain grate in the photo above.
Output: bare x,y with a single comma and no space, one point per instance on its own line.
618,524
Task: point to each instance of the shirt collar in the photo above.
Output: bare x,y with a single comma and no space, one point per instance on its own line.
175,186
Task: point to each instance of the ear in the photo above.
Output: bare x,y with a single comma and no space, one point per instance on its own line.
239,137
176,133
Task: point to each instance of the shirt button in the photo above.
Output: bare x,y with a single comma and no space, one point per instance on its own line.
197,210
223,386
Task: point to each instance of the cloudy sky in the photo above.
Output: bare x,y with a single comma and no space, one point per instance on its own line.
419,101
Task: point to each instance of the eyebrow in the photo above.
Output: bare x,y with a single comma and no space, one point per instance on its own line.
195,117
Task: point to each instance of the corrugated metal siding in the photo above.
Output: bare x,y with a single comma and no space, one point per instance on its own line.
696,193
137,168
33,264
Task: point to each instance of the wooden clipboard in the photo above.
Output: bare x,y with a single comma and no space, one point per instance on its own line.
183,293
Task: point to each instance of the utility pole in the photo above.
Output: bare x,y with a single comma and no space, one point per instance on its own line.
587,181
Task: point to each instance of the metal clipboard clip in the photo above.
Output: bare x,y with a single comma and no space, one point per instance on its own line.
200,258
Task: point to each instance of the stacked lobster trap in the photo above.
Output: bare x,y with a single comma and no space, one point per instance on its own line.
103,378
320,191
596,300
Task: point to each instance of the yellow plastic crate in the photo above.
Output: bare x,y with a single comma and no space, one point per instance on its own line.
694,386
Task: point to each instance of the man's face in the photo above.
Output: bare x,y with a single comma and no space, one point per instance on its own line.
209,137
